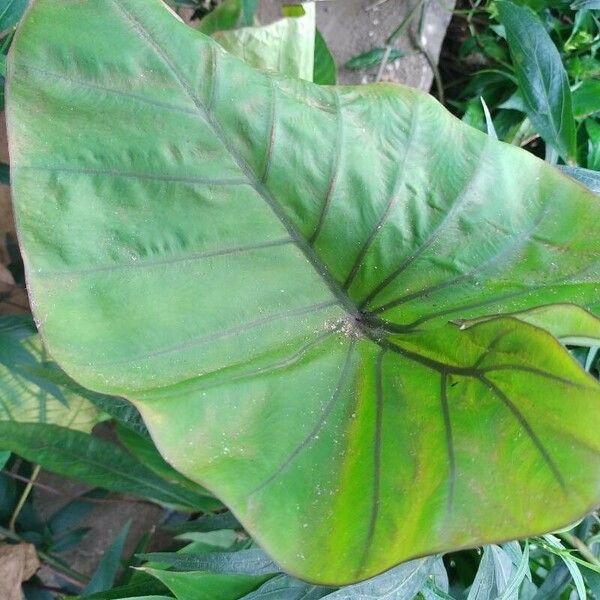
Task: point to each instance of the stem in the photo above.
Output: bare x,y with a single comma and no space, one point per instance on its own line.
62,570
23,498
580,546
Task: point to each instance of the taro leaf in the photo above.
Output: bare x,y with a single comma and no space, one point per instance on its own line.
267,269
286,46
25,396
542,78
104,576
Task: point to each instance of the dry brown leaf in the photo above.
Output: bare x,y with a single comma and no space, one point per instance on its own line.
18,563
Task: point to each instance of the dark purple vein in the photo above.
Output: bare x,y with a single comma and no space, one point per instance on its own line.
328,408
377,439
335,170
527,428
449,440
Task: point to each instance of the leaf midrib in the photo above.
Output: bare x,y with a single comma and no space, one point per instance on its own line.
253,179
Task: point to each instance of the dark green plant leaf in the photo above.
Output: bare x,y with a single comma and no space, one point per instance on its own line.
401,583
105,574
284,587
148,588
253,561
589,178
269,275
4,458
4,174
79,456
68,541
208,586
208,523
75,511
227,15
592,128
586,98
372,58
145,451
484,585
11,12
26,397
542,78
325,70
586,5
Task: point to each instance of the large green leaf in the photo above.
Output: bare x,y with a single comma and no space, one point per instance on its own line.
27,397
267,269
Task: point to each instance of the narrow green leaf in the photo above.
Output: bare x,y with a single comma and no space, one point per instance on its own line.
589,178
79,456
372,58
105,574
522,571
284,587
555,582
205,523
491,130
401,583
249,562
586,98
75,511
586,5
146,453
542,78
484,585
207,586
11,12
570,564
325,69
4,458
147,588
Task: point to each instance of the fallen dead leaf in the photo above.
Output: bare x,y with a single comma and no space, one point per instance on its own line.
18,563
